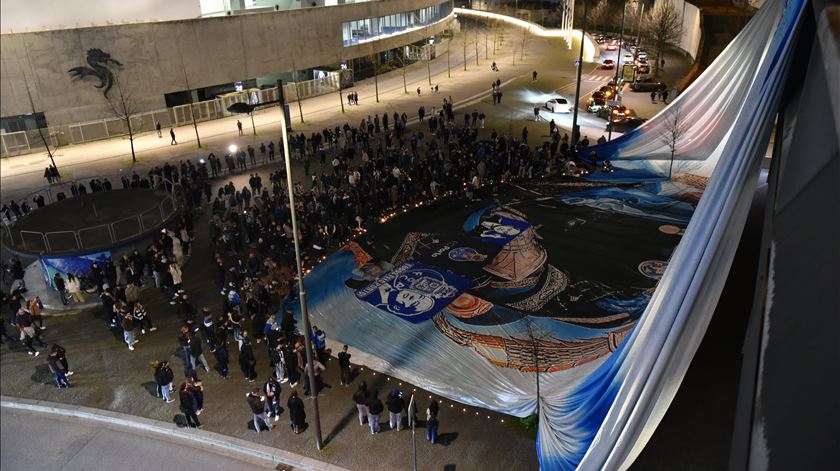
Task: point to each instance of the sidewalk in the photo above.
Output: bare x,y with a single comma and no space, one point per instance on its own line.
151,444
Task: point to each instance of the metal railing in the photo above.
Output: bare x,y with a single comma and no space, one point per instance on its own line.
89,237
25,142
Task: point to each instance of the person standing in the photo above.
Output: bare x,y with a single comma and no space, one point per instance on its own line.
247,361
534,76
173,142
272,397
319,340
221,351
58,281
317,368
35,308
17,276
142,317
279,361
297,413
375,408
158,129
196,387
239,126
361,397
74,287
57,368
257,404
344,365
188,405
163,378
432,421
197,352
395,405
128,330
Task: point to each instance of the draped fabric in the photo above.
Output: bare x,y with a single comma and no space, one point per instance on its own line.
583,302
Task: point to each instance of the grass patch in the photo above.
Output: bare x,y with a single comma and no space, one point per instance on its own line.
525,427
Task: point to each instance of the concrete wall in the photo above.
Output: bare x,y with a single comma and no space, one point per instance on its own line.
35,15
212,50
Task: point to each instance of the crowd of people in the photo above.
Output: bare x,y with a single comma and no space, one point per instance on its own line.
353,177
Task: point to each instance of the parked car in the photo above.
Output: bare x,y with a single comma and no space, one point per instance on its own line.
642,55
608,64
648,84
558,105
642,68
596,102
628,58
625,125
608,92
618,113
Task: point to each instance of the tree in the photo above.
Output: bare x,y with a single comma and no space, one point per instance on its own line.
403,61
464,40
40,130
662,27
526,33
598,13
377,66
673,134
123,106
297,91
192,109
340,94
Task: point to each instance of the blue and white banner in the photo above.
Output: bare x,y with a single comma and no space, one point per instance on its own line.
413,291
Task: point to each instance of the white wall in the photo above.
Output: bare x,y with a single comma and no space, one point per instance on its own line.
36,15
689,15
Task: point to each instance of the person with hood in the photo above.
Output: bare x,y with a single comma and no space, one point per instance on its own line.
395,405
360,397
247,361
297,414
272,397
163,379
375,408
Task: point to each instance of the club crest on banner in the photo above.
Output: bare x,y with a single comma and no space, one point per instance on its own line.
414,291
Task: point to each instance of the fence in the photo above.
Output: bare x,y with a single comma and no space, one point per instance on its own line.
25,142
90,237
93,237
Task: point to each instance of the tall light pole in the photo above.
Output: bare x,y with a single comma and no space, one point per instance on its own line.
304,312
575,133
619,65
639,25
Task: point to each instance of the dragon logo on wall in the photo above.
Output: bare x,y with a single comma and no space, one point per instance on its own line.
99,62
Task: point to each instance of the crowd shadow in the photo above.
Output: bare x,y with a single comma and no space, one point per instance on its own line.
446,439
43,375
152,388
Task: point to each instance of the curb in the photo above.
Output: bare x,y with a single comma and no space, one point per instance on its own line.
215,441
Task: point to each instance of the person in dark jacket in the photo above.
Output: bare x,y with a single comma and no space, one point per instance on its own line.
344,365
272,397
256,402
58,281
197,352
395,405
432,421
375,408
291,365
297,414
188,405
221,352
57,369
163,378
360,397
247,361
142,318
62,357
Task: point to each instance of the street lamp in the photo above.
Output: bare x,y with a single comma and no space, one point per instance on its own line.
243,108
232,149
575,132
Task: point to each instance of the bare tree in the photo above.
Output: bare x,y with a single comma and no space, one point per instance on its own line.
373,56
598,13
340,88
40,130
672,136
297,90
526,34
189,93
662,27
123,106
403,61
464,41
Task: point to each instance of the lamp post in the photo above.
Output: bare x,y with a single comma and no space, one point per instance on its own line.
575,133
243,108
639,25
304,312
618,59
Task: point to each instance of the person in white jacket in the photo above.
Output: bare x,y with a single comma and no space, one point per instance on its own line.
74,287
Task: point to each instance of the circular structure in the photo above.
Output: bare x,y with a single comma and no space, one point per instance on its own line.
95,221
653,268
